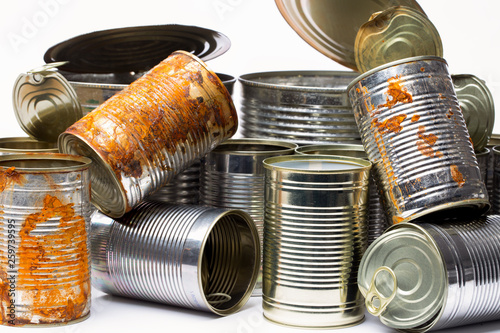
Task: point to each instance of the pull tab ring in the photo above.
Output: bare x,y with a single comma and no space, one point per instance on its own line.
375,302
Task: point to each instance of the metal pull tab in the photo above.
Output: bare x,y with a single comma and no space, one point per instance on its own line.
375,302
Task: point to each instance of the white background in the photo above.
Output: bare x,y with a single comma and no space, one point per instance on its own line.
261,41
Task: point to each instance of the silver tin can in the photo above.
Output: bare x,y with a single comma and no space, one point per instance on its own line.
303,107
377,220
495,200
143,136
23,145
195,257
414,134
430,276
315,233
44,248
233,177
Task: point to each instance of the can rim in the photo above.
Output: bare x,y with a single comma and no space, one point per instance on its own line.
358,163
392,64
338,146
84,162
4,141
281,146
250,80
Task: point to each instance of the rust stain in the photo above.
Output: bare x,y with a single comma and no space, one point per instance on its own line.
415,118
457,175
397,219
449,113
422,69
441,96
392,124
426,143
396,93
9,177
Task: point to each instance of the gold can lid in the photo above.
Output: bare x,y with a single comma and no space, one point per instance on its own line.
393,34
45,103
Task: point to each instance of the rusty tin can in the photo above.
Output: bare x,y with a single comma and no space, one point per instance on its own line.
431,276
414,134
23,145
233,177
196,257
315,233
146,134
44,248
377,220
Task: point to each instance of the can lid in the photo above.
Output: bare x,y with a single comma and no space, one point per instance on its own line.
45,103
477,106
402,277
393,34
135,49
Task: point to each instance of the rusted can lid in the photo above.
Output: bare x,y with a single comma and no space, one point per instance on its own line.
403,277
477,107
393,34
44,102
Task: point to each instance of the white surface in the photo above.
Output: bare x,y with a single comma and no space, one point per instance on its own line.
261,41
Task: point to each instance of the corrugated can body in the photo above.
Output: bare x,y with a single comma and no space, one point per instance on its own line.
143,136
414,134
495,200
195,257
23,145
44,248
315,233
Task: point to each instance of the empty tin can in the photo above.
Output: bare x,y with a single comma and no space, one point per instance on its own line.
377,221
315,233
430,276
21,145
195,257
233,177
44,248
140,138
414,134
303,107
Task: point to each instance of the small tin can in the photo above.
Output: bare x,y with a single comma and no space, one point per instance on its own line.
146,134
233,177
44,248
431,276
315,233
414,134
196,257
377,221
23,145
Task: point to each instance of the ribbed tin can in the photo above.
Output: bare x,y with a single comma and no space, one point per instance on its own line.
414,134
23,145
140,138
44,248
303,107
195,257
233,177
315,233
377,220
495,200
431,276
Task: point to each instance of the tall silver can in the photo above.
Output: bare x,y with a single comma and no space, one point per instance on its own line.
414,134
195,257
377,220
44,248
23,145
431,276
315,233
233,177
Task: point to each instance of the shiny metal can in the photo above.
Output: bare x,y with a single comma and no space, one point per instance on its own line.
315,233
23,145
233,177
419,277
377,220
196,257
44,244
414,134
303,107
143,136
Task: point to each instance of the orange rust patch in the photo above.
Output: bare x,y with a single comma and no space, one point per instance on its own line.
397,219
422,69
396,93
457,175
10,177
449,113
392,124
415,118
426,143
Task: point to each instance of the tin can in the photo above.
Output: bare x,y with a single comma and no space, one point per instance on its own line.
143,136
495,200
415,136
44,248
233,177
377,221
315,233
483,157
303,107
23,145
195,257
431,276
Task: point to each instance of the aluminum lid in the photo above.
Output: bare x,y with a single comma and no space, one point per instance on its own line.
393,34
403,278
45,103
477,106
